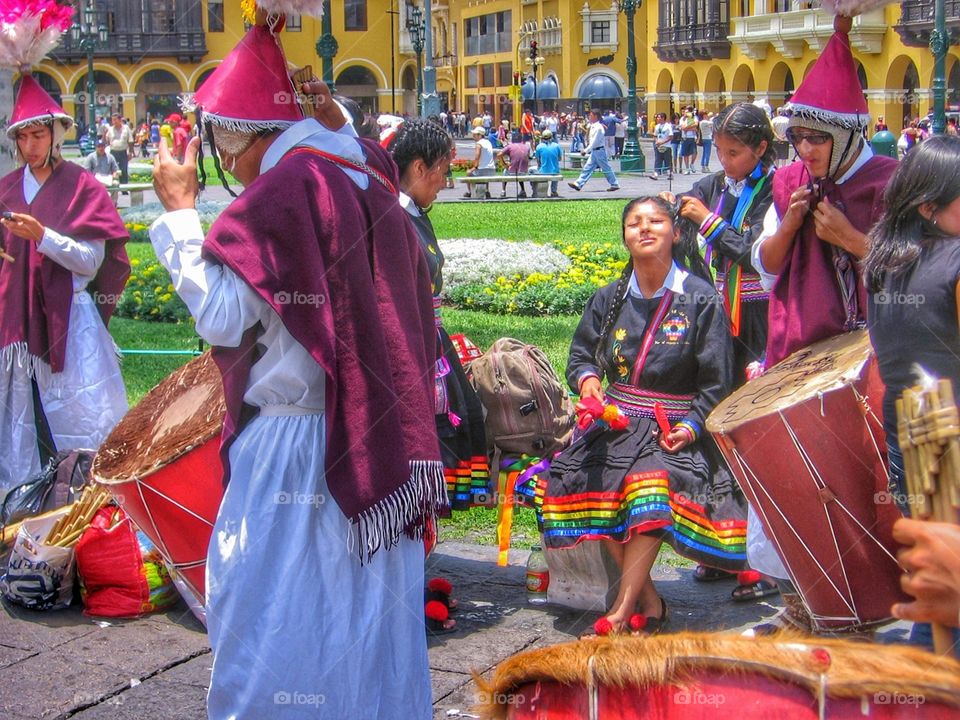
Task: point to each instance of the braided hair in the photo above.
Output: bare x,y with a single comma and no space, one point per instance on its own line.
420,139
748,125
685,252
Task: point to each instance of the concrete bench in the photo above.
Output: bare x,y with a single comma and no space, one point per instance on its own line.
135,190
538,182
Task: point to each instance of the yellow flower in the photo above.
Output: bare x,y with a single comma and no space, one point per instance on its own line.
620,334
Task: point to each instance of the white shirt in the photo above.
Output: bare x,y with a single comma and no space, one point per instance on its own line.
285,378
80,258
663,134
771,221
596,137
673,281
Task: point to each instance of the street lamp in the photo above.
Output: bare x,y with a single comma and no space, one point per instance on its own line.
327,47
939,41
534,61
89,36
632,159
416,30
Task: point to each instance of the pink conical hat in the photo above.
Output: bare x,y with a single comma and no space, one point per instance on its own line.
33,105
831,92
250,90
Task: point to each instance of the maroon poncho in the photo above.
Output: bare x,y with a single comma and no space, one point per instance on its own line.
806,303
36,292
343,269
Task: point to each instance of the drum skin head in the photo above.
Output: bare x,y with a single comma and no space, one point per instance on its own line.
181,413
812,371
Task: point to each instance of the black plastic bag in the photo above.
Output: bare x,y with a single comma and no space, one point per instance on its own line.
58,484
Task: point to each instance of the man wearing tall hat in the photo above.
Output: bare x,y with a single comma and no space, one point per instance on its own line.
313,292
62,268
815,233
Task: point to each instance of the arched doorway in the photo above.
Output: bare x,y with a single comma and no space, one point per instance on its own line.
714,88
664,100
359,83
743,88
689,87
107,101
901,99
408,83
599,91
203,78
158,93
781,85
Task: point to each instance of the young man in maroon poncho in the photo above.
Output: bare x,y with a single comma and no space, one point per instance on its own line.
64,268
314,293
815,234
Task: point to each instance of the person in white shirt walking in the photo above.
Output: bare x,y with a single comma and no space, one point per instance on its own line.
120,138
598,157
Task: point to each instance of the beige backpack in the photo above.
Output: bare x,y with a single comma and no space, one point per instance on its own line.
528,410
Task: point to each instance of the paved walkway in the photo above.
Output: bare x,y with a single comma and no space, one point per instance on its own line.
64,665
631,184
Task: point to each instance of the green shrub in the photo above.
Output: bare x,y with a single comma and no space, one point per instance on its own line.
149,295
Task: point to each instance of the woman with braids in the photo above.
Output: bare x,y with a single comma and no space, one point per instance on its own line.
728,208
913,314
661,339
423,151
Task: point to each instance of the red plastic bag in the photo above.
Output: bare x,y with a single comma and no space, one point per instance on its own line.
466,350
121,573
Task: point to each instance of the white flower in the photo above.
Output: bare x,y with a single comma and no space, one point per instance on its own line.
470,260
145,214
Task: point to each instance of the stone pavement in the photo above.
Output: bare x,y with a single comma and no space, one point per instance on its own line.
64,665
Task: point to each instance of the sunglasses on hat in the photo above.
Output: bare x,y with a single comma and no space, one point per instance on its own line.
796,137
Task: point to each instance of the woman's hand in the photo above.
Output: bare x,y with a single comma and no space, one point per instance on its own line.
678,439
693,209
668,196
591,388
25,226
931,560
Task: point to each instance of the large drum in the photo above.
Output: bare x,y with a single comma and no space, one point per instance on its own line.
805,441
697,676
162,464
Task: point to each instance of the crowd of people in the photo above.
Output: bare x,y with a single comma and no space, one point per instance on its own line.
361,398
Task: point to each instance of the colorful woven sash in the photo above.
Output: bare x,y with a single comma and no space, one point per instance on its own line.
637,402
437,315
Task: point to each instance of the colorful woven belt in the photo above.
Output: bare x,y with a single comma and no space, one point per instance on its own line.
437,319
637,402
751,289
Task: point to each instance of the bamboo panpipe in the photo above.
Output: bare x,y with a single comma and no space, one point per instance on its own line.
928,428
70,527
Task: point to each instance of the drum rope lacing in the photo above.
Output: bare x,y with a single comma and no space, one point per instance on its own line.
821,484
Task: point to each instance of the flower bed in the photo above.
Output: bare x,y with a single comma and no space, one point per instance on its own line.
558,289
149,295
139,219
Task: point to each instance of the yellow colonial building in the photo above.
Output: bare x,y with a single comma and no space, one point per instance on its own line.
567,55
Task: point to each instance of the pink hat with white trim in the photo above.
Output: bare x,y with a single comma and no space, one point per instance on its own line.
34,106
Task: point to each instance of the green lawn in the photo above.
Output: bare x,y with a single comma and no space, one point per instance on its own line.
571,222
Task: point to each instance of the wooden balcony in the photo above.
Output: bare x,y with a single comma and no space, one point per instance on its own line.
128,47
695,41
916,22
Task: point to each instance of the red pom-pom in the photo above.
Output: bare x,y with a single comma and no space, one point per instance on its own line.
748,577
822,659
436,610
638,622
603,626
439,584
620,422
